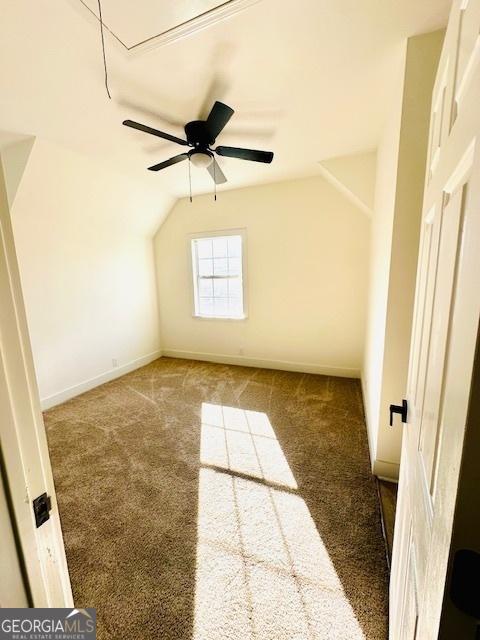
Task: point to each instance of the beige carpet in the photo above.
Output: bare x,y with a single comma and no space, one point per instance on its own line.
212,502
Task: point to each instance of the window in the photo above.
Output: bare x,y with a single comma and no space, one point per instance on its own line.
217,262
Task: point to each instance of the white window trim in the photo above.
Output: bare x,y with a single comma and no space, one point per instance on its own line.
193,283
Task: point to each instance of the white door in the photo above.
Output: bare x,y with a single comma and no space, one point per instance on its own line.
445,324
23,442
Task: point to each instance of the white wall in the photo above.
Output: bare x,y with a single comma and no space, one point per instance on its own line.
83,238
401,162
307,261
380,249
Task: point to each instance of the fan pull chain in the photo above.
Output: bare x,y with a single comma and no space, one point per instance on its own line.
190,177
214,181
103,50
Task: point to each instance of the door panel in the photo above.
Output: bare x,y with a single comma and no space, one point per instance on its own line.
410,611
439,117
447,256
468,50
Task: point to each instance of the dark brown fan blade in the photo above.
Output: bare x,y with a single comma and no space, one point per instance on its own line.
245,154
218,118
218,87
167,163
154,132
216,173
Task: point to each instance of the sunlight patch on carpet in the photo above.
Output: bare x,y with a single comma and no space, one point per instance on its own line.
243,441
262,570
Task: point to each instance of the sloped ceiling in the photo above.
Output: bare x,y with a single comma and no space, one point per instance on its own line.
309,79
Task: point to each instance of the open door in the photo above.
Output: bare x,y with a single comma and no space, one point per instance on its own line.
26,470
445,327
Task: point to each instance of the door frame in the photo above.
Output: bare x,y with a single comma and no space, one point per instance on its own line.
23,440
13,589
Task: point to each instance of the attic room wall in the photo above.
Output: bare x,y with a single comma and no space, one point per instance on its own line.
395,236
84,243
307,263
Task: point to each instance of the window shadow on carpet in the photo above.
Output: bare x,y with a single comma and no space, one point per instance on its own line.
258,546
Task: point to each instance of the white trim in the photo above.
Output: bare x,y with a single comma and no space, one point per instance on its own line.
192,26
282,365
112,374
222,12
386,470
393,480
461,171
435,160
221,318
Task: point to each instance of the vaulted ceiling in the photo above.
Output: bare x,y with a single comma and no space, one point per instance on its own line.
310,79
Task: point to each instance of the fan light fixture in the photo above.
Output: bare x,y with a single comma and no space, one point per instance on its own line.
201,160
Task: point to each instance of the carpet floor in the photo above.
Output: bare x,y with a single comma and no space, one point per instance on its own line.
204,501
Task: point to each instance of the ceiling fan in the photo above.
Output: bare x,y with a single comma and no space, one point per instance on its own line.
201,136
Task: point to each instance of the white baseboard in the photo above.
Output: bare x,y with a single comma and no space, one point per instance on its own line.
246,361
82,387
381,468
371,444
386,470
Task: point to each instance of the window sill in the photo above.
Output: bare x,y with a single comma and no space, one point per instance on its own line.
236,319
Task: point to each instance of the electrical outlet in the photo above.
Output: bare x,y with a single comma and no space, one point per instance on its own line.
114,363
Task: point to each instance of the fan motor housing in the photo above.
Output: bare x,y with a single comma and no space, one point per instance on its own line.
197,134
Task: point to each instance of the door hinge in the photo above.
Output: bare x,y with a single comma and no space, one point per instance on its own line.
41,508
402,409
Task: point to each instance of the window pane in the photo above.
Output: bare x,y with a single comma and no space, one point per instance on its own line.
205,267
205,288
221,306
218,272
235,287
205,306
234,266
235,307
220,247
220,288
204,247
235,246
220,266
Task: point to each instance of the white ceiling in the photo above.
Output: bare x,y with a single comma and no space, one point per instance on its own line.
310,80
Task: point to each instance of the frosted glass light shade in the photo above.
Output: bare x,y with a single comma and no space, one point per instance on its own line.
201,160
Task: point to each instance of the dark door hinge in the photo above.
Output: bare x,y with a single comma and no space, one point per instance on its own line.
41,508
399,408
